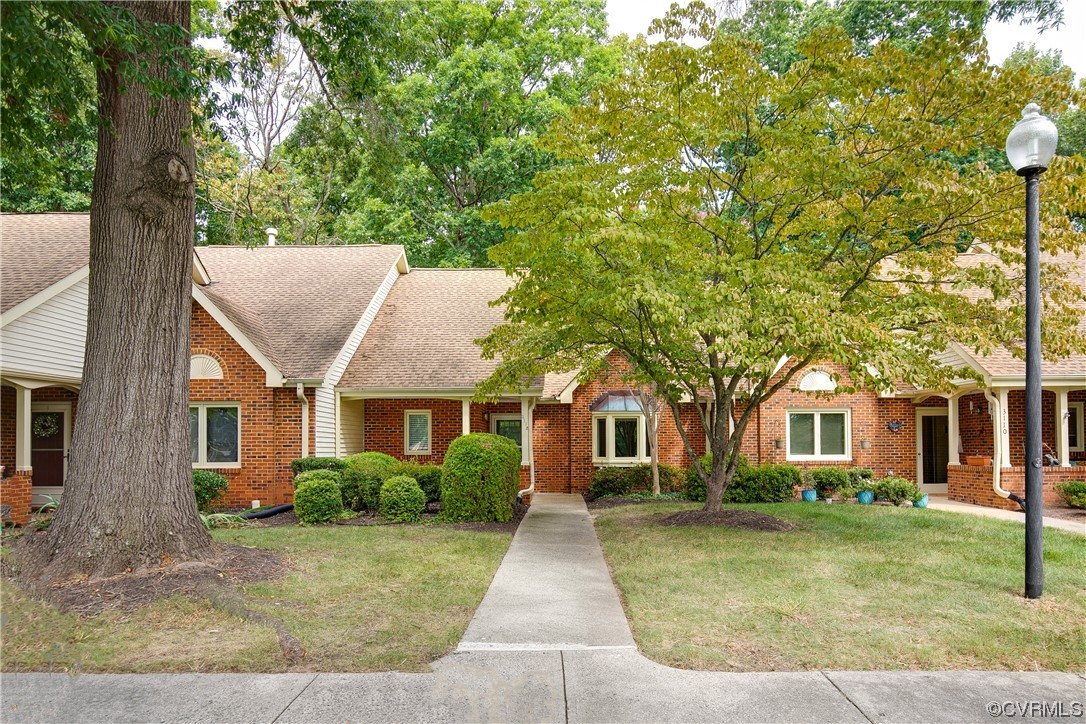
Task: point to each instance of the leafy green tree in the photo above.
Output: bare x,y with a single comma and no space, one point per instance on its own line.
711,215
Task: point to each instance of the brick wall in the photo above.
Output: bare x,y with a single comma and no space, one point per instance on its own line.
550,438
870,416
15,494
973,484
270,417
384,426
7,428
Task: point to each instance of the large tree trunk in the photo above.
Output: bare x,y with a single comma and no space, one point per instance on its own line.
128,498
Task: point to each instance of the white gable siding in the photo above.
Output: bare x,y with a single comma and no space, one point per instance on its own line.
325,421
49,339
351,417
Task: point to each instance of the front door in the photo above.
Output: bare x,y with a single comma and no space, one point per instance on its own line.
49,436
933,451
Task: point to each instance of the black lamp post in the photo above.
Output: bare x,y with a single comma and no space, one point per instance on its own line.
1031,145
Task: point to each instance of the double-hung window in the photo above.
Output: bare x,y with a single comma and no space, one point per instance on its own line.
508,426
822,434
215,434
416,432
618,430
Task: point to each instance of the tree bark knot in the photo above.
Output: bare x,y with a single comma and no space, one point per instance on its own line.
160,185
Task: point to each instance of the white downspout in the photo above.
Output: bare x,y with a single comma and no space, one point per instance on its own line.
531,454
305,419
997,448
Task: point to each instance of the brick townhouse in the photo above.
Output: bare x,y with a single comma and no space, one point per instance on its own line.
334,350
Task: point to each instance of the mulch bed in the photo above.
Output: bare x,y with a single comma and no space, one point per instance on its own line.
1065,512
618,501
746,519
230,564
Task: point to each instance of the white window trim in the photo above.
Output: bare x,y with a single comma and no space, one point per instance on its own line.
816,411
407,432
1077,409
202,443
611,460
494,419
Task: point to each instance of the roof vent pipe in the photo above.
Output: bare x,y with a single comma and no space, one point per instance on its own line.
272,233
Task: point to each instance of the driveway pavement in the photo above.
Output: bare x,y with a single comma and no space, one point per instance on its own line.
549,643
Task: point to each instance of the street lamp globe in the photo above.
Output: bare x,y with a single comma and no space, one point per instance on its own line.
1031,144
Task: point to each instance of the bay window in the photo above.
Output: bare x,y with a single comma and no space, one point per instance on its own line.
215,434
618,430
819,434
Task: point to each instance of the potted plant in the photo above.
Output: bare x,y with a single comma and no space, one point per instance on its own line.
810,495
865,493
920,500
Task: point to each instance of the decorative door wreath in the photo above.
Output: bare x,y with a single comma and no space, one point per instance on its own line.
46,426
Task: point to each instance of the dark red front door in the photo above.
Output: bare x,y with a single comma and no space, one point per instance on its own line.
47,448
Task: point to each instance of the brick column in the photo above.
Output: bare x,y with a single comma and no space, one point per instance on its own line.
15,493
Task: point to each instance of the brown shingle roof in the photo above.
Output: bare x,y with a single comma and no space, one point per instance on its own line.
37,251
424,335
298,304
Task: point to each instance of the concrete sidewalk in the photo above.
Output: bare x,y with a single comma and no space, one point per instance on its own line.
940,502
549,643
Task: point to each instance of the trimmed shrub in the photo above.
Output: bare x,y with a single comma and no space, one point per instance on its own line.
1073,493
362,477
480,478
209,487
402,500
695,486
318,501
896,490
858,475
427,476
763,484
609,481
318,474
301,465
827,480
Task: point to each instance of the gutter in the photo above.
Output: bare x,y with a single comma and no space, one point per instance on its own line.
997,450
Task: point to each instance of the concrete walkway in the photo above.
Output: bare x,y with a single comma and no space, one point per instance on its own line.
940,502
549,643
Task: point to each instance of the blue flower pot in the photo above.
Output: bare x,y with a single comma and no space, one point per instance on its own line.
922,503
810,496
865,497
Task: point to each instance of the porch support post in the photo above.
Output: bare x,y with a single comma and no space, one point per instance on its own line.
1003,428
1063,449
953,434
22,429
466,416
525,431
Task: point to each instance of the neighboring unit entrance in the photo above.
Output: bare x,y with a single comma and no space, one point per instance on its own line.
50,436
932,449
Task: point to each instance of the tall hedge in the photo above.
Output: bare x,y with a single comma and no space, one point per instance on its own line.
302,465
362,476
480,478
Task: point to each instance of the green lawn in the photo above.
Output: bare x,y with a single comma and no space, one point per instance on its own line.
371,598
852,587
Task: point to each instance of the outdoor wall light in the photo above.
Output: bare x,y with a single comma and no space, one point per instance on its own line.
1031,144
865,444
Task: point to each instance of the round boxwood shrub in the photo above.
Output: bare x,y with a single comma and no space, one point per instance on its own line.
209,487
362,477
896,490
608,482
480,478
301,465
827,480
318,501
427,476
402,500
1073,493
317,474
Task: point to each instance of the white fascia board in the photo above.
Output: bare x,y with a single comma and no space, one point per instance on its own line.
199,271
407,393
44,295
273,377
12,377
968,359
343,358
1047,381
